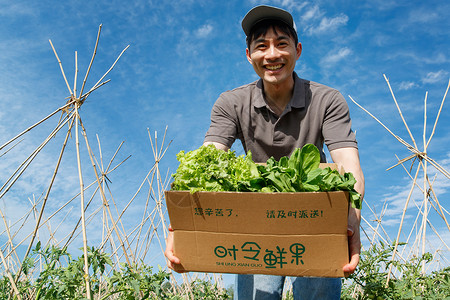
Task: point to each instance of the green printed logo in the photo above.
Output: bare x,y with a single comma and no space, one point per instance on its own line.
251,251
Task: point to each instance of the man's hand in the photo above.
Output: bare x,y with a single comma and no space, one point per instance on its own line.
354,241
172,260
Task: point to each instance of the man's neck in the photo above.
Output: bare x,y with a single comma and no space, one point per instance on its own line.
279,95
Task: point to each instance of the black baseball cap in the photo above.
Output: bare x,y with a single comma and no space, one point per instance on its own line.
265,12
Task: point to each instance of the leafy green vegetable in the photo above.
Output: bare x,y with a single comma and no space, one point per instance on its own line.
211,169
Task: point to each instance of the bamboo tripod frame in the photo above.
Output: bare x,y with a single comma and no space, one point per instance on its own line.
132,246
430,198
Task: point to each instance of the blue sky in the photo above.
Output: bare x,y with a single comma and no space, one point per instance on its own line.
183,54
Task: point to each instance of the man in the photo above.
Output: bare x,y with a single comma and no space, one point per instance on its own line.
272,117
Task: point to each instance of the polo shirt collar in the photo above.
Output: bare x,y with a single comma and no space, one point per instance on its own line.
297,100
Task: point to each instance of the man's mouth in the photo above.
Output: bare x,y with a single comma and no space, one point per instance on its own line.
274,67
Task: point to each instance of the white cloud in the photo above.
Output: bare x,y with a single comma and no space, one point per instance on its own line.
289,4
17,9
204,31
313,13
419,16
329,24
333,57
433,77
406,85
286,4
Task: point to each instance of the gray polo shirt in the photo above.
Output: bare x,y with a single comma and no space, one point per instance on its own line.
316,114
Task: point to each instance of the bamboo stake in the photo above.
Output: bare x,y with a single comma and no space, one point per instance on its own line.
25,216
83,220
409,147
62,70
109,70
438,235
121,224
72,234
384,126
10,277
114,156
42,223
425,175
439,113
10,240
92,61
19,171
45,201
414,226
94,182
36,124
101,154
378,220
145,208
76,75
431,189
400,112
400,227
440,208
158,158
102,193
25,165
84,97
418,237
12,147
134,196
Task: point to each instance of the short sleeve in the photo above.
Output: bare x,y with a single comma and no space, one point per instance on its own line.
224,122
337,125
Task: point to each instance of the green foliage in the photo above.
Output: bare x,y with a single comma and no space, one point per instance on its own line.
138,282
369,281
206,291
68,282
211,169
64,278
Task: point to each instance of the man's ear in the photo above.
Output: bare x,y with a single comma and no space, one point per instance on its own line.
299,50
247,52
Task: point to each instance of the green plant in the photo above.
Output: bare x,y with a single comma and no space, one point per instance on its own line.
369,281
66,279
200,289
138,282
63,278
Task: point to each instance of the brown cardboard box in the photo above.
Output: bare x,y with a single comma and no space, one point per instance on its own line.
291,234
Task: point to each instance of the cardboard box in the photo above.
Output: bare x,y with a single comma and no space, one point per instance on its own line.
290,234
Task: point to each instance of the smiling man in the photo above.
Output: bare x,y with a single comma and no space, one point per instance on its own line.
272,117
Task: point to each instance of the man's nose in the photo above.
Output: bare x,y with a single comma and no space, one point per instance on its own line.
273,52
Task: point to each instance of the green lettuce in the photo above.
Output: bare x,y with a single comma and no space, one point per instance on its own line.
211,169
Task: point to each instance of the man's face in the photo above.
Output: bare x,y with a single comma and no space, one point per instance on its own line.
273,56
